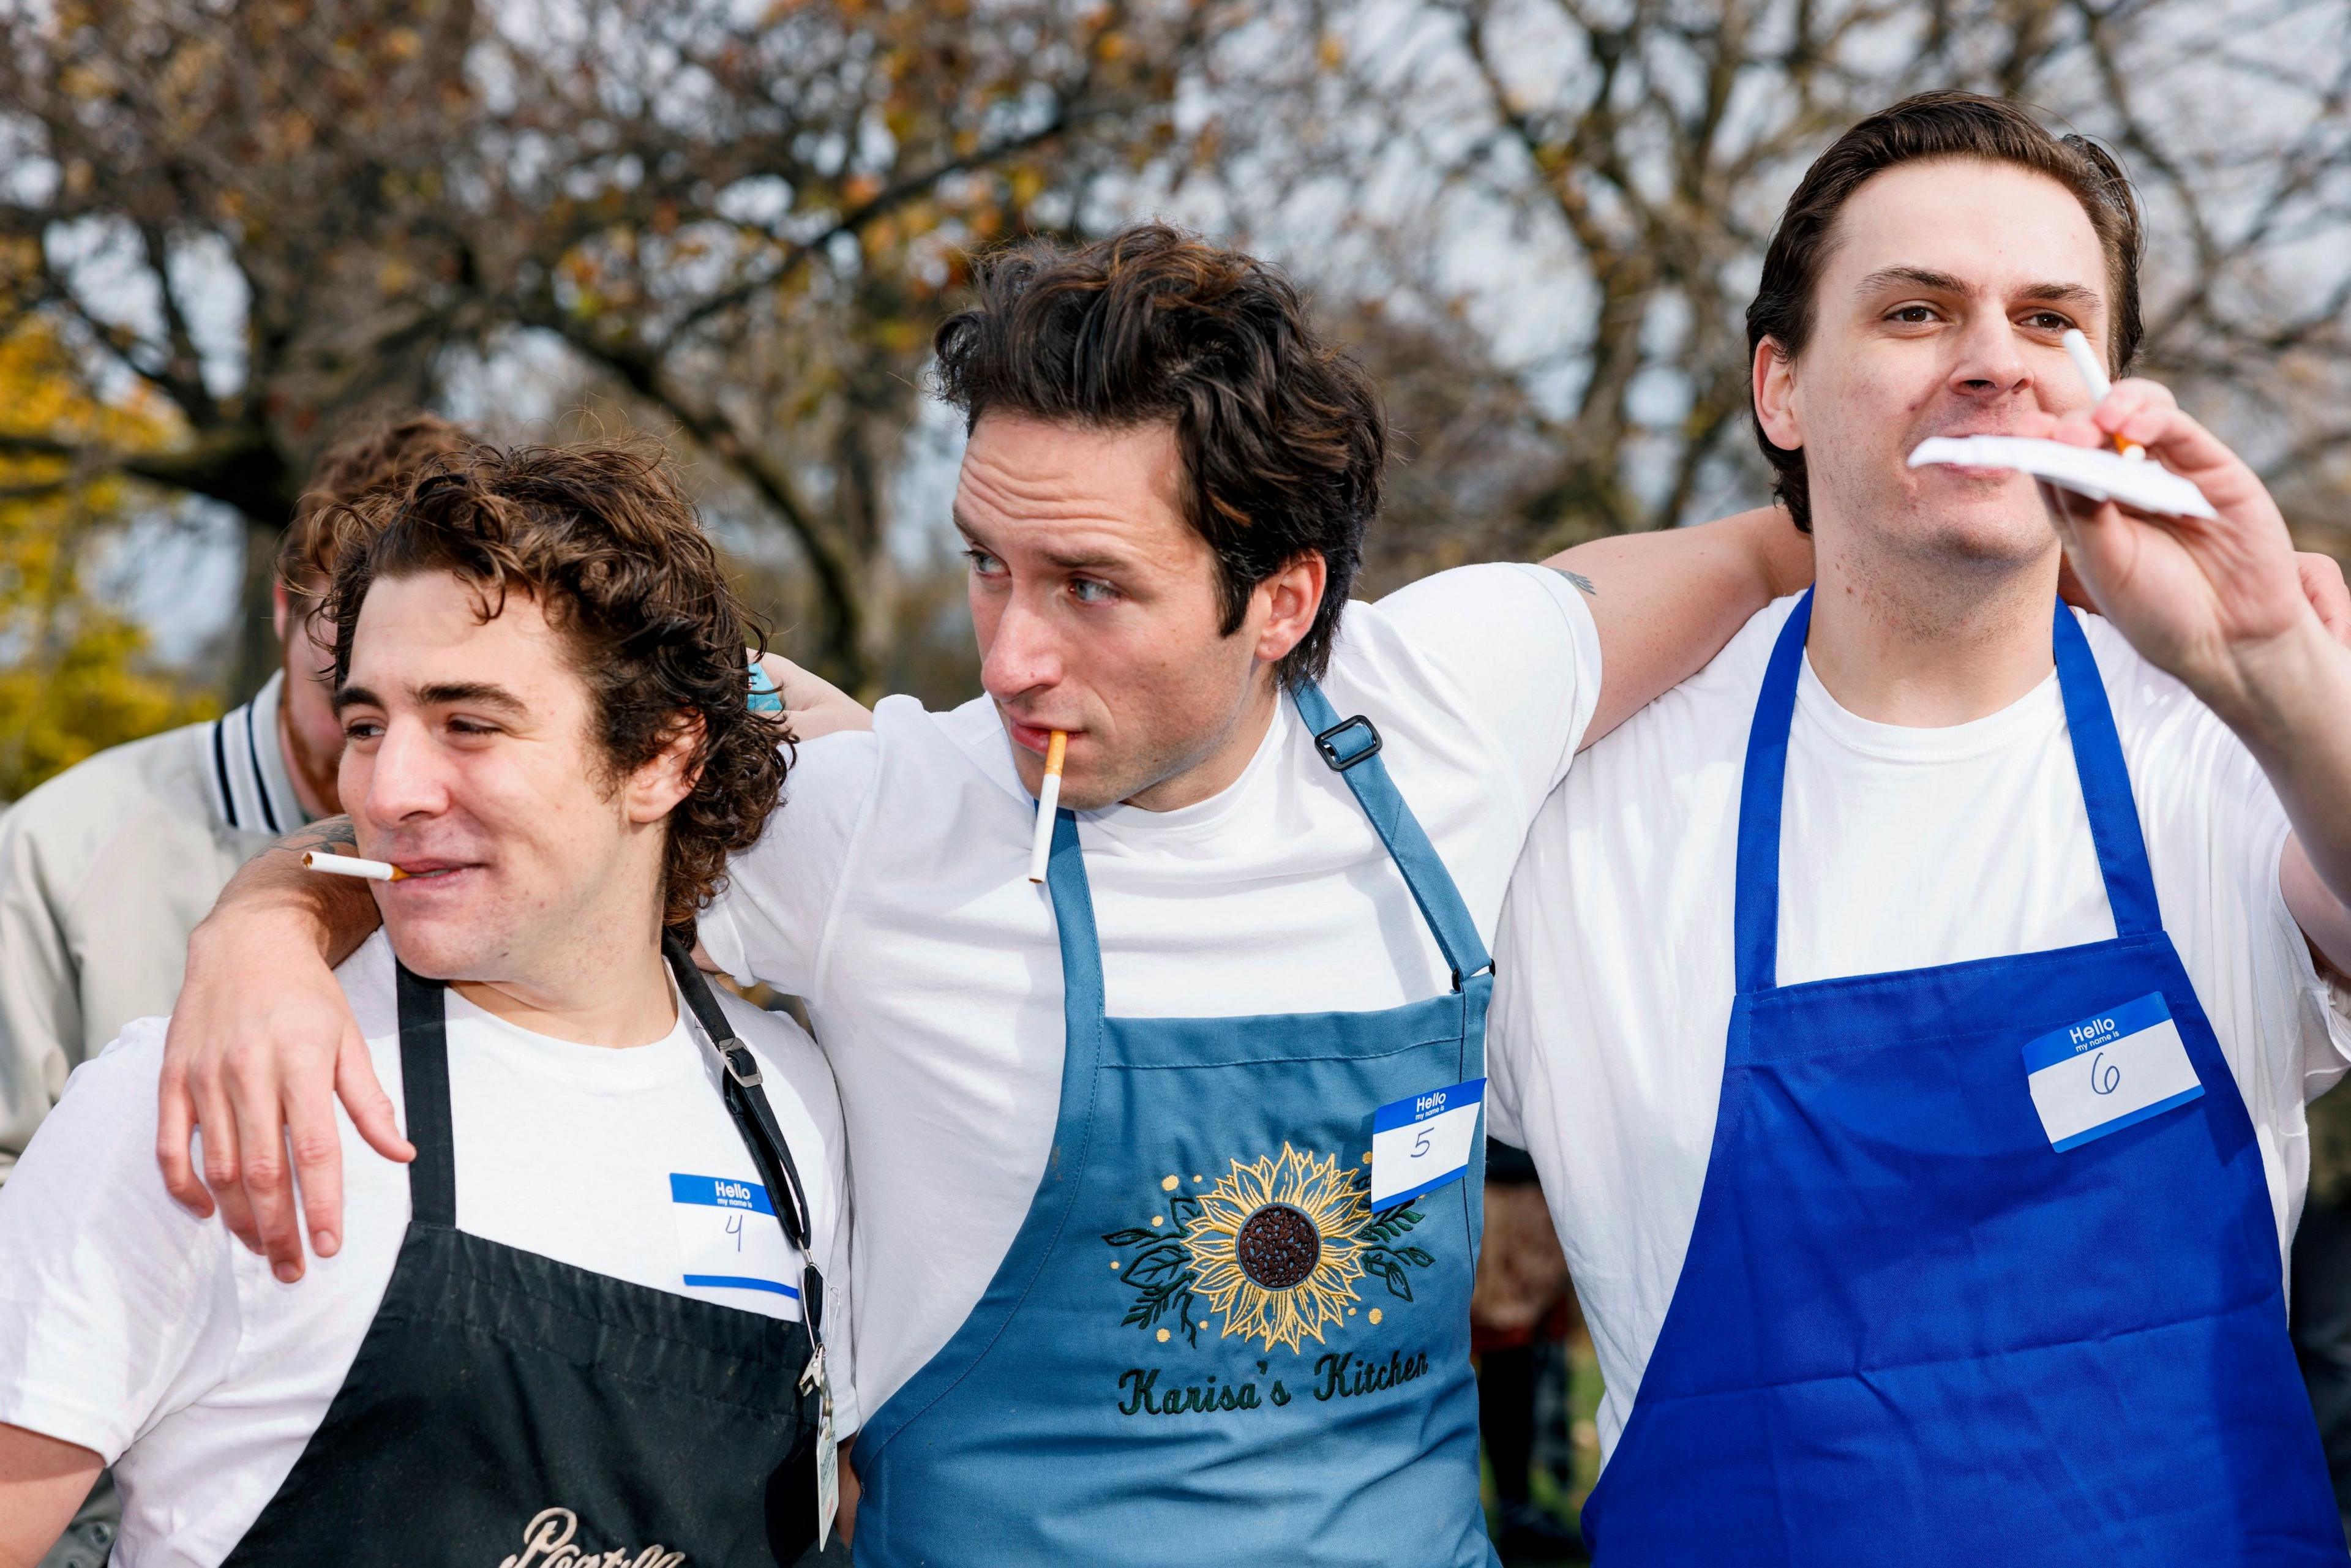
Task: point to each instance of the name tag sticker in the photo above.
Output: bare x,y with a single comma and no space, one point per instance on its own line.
2109,1072
1422,1143
728,1239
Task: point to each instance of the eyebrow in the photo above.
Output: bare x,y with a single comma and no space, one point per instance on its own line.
1067,561
1944,283
441,694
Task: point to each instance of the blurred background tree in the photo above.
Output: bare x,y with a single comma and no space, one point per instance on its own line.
229,231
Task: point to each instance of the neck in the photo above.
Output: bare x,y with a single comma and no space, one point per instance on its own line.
607,993
1226,758
1925,643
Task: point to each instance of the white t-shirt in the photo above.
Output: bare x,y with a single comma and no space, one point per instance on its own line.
1900,848
892,893
131,1327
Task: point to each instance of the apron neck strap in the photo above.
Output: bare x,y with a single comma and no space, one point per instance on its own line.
424,1090
742,1086
425,1096
2106,783
2097,759
1352,748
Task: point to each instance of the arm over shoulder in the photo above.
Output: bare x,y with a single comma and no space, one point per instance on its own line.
1515,649
769,923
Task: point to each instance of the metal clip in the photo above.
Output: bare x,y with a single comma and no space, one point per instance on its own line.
751,1080
812,1376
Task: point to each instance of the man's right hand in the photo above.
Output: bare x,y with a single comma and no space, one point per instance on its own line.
261,1042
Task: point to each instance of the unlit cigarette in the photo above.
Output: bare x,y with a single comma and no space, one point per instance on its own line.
1048,801
351,866
2085,360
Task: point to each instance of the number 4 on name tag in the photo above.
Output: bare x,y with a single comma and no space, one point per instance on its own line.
1423,1141
2111,1071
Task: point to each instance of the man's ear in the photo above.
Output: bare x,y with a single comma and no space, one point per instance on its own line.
666,777
1291,599
279,610
1774,387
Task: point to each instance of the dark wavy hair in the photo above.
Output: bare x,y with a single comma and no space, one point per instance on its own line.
1282,435
602,538
1928,126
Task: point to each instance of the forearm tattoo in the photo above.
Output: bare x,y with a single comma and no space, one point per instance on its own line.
332,833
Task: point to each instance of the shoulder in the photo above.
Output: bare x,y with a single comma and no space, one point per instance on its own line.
1501,661
786,1051
123,791
110,1098
1728,683
2143,696
1467,612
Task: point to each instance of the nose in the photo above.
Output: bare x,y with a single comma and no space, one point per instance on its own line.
1990,363
405,775
1024,649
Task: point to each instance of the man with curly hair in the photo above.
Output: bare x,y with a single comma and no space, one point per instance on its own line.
604,1310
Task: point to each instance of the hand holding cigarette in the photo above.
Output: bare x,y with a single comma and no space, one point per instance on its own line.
2093,374
1048,801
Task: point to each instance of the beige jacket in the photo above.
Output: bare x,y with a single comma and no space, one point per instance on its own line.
104,870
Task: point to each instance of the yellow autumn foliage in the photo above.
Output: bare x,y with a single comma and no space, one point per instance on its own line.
74,676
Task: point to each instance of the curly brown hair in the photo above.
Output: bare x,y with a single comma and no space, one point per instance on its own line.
384,455
1283,441
603,539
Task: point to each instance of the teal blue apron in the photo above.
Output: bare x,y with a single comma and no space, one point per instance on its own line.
1205,1344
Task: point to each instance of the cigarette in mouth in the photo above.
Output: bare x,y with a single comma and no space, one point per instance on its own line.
2085,360
351,866
1048,801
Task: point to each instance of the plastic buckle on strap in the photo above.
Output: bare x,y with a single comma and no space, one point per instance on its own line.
1485,969
1329,743
748,1080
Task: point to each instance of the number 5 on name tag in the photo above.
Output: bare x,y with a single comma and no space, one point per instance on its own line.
1424,1142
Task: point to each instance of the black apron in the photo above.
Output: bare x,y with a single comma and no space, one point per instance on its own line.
508,1407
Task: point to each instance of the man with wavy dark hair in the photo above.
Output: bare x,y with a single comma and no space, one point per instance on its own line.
1132,1270
1911,1015
604,1314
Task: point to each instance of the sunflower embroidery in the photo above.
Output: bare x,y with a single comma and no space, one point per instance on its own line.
1276,1247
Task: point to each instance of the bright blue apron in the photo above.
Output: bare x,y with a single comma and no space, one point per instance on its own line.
1204,1346
1909,1330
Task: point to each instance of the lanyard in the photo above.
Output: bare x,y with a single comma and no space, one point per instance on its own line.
747,1102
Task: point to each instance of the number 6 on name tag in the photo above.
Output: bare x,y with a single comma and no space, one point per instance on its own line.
2111,1071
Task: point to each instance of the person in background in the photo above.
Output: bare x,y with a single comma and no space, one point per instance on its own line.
106,868
2321,1272
1520,1310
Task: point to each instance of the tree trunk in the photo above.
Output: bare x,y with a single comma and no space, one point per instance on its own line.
253,647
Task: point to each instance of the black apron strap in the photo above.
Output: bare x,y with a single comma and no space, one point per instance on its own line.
424,1092
755,1119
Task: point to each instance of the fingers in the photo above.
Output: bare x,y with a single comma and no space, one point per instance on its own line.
217,1116
2323,585
266,1178
2137,410
175,1127
371,1110
317,1145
